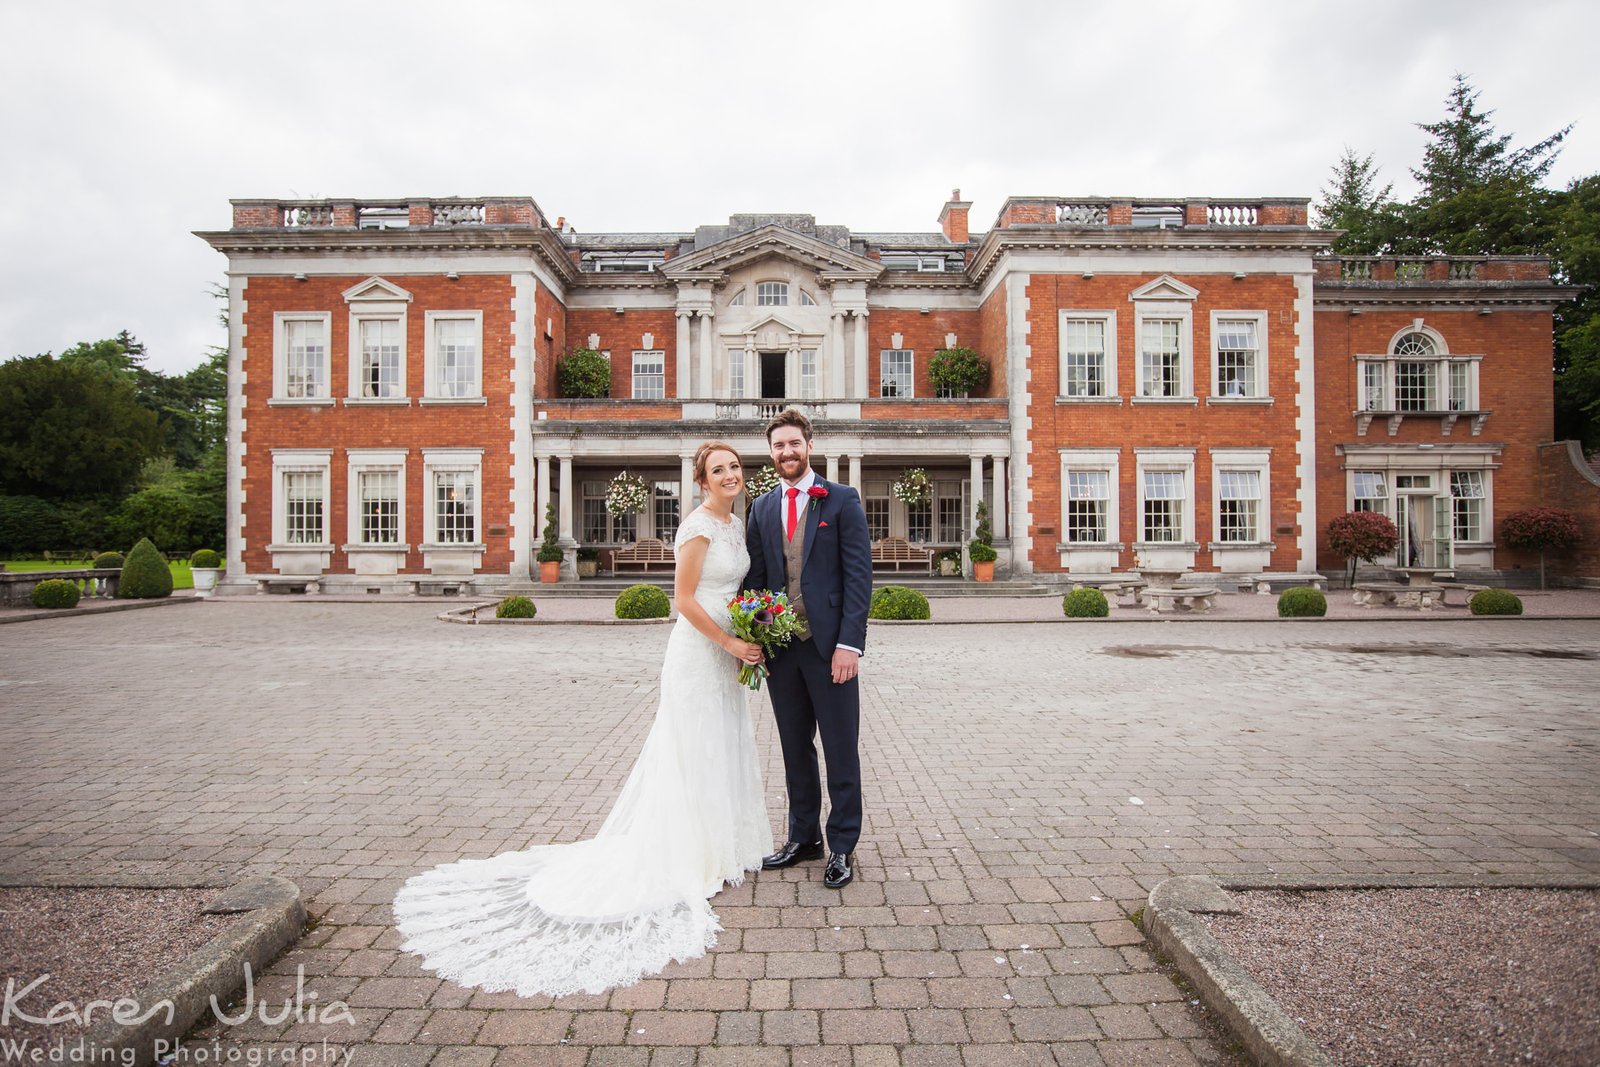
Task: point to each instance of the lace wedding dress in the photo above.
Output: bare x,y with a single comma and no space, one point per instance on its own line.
590,915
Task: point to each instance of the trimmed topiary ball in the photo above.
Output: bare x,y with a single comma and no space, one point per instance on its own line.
1495,602
643,602
205,557
898,602
515,607
108,561
56,593
145,574
1085,603
1302,602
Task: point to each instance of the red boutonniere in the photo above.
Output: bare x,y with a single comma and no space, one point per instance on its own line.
816,493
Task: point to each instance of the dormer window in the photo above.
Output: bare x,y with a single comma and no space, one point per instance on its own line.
622,262
772,294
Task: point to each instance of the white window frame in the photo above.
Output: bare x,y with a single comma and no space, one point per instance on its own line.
809,367
1383,499
376,300
778,288
280,356
300,461
1164,298
1099,461
1480,502
447,460
1181,461
359,461
737,380
1242,460
657,357
1261,393
430,358
1108,321
911,372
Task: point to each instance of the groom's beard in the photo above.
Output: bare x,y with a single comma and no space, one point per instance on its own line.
801,466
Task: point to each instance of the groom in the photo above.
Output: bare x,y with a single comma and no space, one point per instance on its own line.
808,537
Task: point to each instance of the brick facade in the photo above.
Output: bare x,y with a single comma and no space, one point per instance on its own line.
543,290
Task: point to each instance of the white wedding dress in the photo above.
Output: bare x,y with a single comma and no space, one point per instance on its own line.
590,915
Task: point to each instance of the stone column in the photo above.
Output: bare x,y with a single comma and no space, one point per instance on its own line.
836,355
686,486
860,390
833,467
681,356
855,476
998,512
707,361
976,479
542,488
564,502
752,384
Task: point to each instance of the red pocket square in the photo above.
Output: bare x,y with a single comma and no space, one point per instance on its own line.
820,525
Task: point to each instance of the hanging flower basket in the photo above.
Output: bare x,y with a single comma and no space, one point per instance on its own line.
627,494
913,487
761,480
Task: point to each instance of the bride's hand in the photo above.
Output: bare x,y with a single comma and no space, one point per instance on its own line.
745,651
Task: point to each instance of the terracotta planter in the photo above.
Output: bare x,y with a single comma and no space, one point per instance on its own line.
983,572
549,572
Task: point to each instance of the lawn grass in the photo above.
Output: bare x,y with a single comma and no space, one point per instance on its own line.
181,578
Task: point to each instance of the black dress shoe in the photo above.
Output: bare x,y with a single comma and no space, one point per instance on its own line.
791,854
839,871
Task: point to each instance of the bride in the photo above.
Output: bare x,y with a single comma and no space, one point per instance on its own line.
590,915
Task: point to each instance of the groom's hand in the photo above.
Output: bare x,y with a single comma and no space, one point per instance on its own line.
845,663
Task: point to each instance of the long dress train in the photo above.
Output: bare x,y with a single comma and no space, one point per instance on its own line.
590,915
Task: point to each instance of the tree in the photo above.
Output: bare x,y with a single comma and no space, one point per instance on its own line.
189,406
1353,202
68,430
1479,195
1577,262
1539,530
1361,535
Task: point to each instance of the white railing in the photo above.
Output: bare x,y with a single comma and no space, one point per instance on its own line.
1232,214
1078,214
304,215
458,214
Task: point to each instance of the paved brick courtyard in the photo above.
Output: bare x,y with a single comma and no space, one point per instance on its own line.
348,746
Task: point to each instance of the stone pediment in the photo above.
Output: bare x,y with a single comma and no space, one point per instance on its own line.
830,262
376,288
773,324
1165,287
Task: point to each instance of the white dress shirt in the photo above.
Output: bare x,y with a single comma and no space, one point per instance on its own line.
804,484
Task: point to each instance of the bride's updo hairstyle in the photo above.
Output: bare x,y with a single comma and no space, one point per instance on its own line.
702,456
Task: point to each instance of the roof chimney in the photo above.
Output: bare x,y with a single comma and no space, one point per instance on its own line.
561,223
953,218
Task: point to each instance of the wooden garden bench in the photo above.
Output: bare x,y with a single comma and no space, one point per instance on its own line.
644,553
897,552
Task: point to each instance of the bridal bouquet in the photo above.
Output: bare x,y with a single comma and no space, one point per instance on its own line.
761,617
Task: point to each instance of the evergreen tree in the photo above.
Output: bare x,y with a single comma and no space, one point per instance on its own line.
1467,151
1353,202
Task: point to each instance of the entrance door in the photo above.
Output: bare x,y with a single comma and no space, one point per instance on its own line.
774,368
1425,531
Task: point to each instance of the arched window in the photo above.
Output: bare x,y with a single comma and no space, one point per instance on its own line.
772,294
1416,344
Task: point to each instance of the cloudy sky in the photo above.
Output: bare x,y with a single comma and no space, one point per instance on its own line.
128,125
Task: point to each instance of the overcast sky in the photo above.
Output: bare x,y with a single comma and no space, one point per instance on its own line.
126,126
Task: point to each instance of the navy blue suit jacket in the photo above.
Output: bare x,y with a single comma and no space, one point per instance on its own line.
836,569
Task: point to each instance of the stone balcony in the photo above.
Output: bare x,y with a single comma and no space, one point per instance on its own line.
1128,212
446,212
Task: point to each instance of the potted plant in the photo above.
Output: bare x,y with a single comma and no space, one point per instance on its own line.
550,553
205,565
588,562
958,372
584,374
981,548
950,563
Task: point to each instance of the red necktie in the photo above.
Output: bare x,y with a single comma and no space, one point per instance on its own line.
794,515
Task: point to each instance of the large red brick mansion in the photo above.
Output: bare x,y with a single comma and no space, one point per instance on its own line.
1195,381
